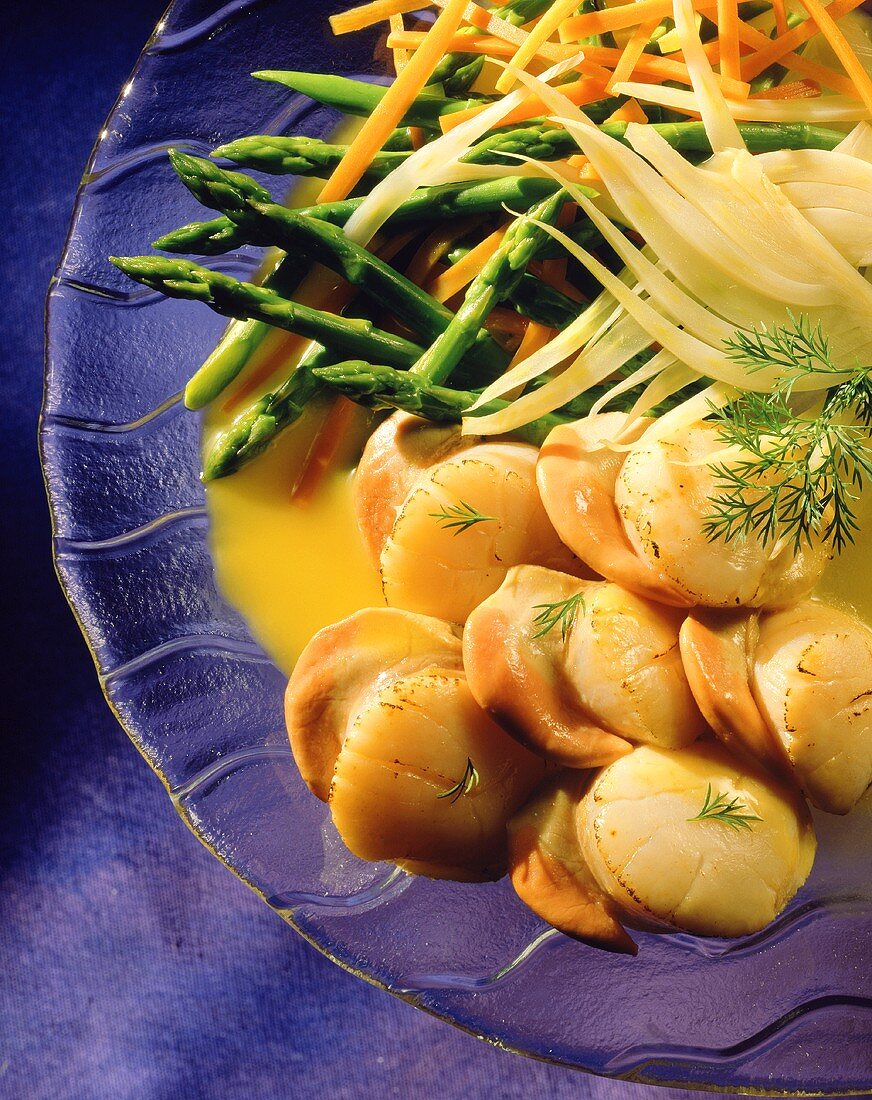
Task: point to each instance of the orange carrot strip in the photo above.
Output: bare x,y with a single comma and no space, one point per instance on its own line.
829,78
621,18
401,57
633,50
324,449
776,48
379,11
665,68
538,36
780,16
728,33
578,92
473,43
841,47
797,89
453,280
628,112
397,100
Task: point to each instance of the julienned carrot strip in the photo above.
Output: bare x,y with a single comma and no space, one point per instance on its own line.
628,112
796,89
357,19
453,280
750,37
728,33
780,16
435,246
776,48
841,47
665,68
621,18
475,43
633,50
401,57
538,36
397,100
578,92
325,447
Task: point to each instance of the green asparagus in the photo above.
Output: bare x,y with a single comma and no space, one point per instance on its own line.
299,156
439,203
310,240
348,336
457,72
499,276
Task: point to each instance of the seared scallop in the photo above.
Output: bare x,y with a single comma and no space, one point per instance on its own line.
633,506
463,526
397,454
694,840
427,780
803,677
549,873
345,661
579,670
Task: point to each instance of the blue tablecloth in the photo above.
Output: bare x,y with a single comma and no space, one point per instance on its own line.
132,965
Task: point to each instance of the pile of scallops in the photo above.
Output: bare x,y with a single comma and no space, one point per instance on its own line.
571,684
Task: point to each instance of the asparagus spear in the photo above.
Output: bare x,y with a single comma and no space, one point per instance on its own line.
299,156
311,240
499,276
381,387
351,336
457,72
358,97
439,203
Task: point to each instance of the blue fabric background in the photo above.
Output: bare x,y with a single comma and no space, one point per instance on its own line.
132,965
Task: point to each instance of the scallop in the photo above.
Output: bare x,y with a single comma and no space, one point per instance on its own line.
577,473
669,865
427,780
663,494
803,677
631,500
463,526
398,453
548,871
579,670
344,662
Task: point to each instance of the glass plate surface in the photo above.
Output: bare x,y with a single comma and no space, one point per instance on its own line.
788,1010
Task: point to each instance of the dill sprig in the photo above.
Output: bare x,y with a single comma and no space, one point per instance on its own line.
467,783
562,614
461,517
729,812
805,470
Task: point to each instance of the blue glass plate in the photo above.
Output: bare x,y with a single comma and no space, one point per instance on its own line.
788,1010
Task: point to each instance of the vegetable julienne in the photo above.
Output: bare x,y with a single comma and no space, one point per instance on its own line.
613,293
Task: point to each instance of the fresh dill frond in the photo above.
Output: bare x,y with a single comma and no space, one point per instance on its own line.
467,783
562,614
729,812
804,471
461,517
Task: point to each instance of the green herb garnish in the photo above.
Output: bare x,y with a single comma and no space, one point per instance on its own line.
466,784
562,613
461,517
806,470
728,812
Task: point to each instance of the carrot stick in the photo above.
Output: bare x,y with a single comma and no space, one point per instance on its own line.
578,92
776,48
621,18
728,33
474,43
628,112
401,57
633,50
750,37
379,11
397,100
842,49
324,449
453,280
665,68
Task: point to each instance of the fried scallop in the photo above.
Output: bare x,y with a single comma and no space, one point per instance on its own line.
344,662
670,865
427,780
632,501
804,678
463,526
578,670
397,454
548,871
